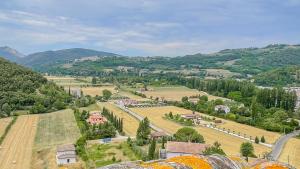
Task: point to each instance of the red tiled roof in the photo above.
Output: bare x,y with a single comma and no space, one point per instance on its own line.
184,147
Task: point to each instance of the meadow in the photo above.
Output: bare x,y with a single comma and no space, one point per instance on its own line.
290,153
230,144
175,93
53,129
4,122
16,149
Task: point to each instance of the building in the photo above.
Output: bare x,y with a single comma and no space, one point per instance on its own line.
65,154
127,102
174,149
224,108
96,118
190,116
158,134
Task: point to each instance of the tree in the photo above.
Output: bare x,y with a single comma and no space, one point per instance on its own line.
106,94
185,99
163,142
215,149
143,132
263,140
256,140
247,150
203,98
151,151
187,134
219,102
6,109
94,80
280,116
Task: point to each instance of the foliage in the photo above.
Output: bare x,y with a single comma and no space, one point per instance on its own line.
187,134
143,132
215,149
106,94
247,150
117,122
262,139
22,88
256,140
151,151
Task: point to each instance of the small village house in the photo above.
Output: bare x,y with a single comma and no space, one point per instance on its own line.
184,148
96,118
223,108
158,134
65,154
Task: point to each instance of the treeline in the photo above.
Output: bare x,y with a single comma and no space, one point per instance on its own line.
117,122
23,89
243,91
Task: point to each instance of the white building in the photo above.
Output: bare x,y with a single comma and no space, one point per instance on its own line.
226,109
66,154
174,149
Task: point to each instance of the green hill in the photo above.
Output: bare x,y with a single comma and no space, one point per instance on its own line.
46,59
22,89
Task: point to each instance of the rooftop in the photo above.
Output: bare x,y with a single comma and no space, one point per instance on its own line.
184,147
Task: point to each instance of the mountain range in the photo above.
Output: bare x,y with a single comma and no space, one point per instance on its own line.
244,61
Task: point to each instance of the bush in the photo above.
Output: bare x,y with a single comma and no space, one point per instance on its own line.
262,139
256,140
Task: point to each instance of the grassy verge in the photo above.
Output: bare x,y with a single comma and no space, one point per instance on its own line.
7,129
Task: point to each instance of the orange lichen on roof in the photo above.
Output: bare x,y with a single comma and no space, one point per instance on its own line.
271,166
191,161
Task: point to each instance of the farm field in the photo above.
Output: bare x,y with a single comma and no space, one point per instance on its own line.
16,151
130,123
4,122
175,93
93,91
290,152
53,129
132,96
230,144
270,137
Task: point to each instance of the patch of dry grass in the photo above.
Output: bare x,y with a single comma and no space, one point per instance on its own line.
16,151
93,91
53,129
4,122
230,144
175,93
291,152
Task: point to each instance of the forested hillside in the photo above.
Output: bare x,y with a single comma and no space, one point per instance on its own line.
252,61
23,89
46,59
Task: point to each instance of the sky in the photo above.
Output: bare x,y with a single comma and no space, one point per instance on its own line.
148,27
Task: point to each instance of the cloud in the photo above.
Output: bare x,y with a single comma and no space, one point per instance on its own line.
147,27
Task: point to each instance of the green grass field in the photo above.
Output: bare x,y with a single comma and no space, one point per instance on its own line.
102,154
56,128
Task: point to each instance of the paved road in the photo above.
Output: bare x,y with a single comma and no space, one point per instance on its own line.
277,148
140,118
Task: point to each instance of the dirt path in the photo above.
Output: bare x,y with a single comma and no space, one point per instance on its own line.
16,149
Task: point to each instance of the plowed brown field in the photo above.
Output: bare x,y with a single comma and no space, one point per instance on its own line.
16,148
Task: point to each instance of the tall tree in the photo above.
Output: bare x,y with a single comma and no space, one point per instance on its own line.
247,150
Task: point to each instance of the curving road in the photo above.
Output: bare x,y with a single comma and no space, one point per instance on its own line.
278,146
140,118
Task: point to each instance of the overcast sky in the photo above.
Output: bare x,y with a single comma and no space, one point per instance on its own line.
148,27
